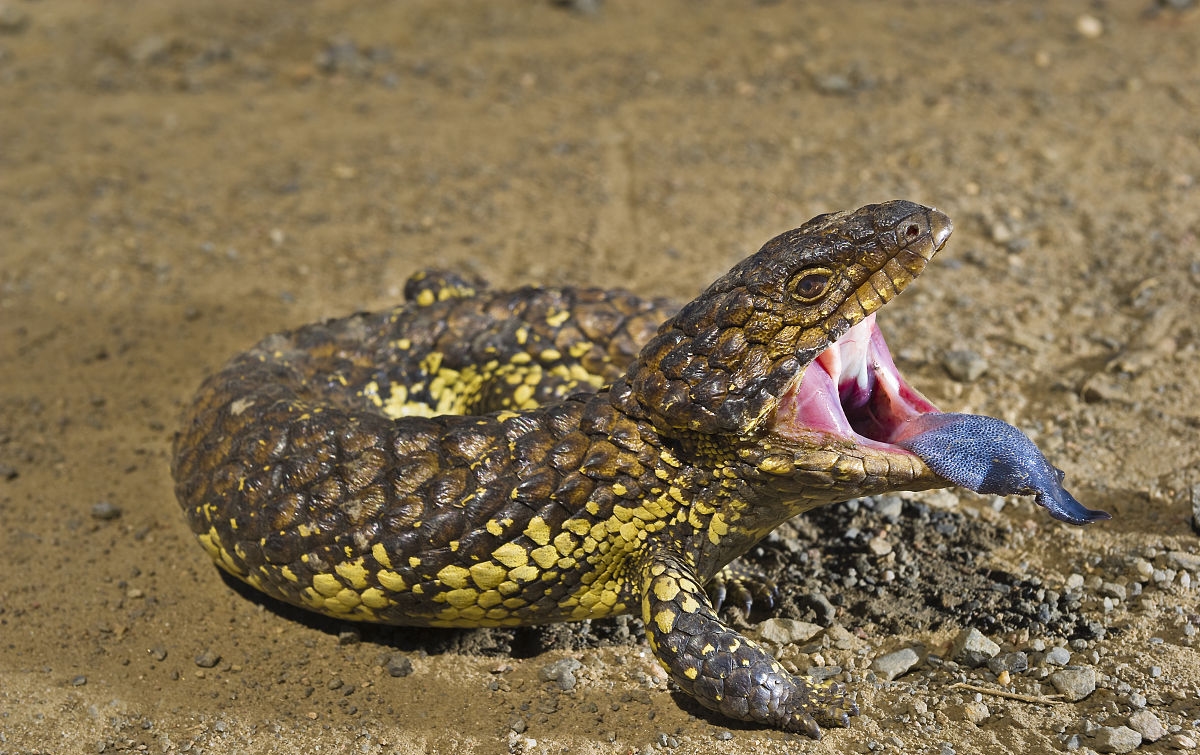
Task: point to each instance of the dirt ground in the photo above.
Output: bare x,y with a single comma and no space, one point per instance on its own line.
178,179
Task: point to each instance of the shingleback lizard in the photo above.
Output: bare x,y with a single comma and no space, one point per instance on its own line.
478,458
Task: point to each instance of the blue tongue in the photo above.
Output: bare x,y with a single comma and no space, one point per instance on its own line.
986,455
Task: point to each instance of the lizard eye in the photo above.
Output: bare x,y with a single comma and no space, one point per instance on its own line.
809,285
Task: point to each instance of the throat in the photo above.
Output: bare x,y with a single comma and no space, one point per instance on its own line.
853,392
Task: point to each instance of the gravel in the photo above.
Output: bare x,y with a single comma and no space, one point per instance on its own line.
973,649
787,631
1116,739
562,672
105,511
207,659
892,665
1147,724
1074,683
964,365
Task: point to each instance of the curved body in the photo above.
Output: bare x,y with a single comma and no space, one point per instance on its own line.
475,458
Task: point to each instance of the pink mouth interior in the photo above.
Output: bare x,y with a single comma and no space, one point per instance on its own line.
853,391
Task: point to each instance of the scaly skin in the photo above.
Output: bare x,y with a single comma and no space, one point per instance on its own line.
490,459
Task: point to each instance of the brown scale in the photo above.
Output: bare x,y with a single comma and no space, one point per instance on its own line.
318,468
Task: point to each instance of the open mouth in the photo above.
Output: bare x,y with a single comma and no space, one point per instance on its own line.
854,392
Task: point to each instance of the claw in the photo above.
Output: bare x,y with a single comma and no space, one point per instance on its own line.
742,587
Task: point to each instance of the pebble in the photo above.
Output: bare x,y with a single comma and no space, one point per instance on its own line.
964,365
349,637
398,665
1116,739
1088,26
1074,683
13,20
973,649
1143,568
158,653
1164,576
787,631
207,659
587,7
826,612
879,546
7,472
78,681
562,672
105,511
1196,509
1013,663
841,638
892,665
1182,742
1059,656
889,507
1147,724
150,49
1188,561
975,711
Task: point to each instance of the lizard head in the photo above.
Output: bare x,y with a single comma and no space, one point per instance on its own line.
783,357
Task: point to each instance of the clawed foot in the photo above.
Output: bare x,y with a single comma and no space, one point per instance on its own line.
742,586
814,703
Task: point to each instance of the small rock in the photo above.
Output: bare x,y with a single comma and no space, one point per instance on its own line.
879,545
892,665
890,507
972,649
841,638
105,511
207,659
975,712
1195,496
398,665
826,612
7,472
1147,724
1116,739
158,653
13,20
349,637
586,7
1188,561
787,631
562,672
1074,683
1058,656
1113,590
964,365
1013,663
151,49
1182,742
1088,26
78,681
1142,568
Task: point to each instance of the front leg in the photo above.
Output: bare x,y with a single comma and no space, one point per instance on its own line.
723,670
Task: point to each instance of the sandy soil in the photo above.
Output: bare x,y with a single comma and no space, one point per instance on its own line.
178,179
